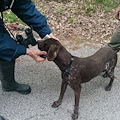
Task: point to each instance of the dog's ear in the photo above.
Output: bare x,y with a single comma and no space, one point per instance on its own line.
52,52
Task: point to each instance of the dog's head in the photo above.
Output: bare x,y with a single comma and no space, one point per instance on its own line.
51,46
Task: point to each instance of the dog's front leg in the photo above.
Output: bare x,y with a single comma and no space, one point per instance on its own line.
63,89
77,92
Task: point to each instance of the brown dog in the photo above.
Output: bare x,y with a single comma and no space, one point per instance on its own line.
78,70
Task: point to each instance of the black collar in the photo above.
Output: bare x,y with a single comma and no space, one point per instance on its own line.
67,71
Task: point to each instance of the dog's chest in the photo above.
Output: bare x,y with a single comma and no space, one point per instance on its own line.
71,80
73,76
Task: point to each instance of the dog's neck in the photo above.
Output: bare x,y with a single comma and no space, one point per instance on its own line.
63,61
67,70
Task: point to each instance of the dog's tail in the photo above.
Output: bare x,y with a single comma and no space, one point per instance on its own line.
116,78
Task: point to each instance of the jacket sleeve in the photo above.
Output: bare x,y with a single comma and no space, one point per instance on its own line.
26,11
9,49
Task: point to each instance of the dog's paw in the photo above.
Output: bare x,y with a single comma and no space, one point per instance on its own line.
74,116
55,104
108,88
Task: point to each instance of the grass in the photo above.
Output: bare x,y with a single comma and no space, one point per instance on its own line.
11,17
60,10
71,19
89,6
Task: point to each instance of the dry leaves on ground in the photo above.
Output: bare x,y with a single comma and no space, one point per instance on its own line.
76,28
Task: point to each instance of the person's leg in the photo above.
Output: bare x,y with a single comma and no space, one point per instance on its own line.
7,78
115,40
7,73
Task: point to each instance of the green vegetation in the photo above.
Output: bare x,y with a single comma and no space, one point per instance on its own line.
107,9
11,17
71,19
89,6
60,10
42,5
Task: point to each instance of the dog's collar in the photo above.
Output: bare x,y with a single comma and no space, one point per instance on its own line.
67,71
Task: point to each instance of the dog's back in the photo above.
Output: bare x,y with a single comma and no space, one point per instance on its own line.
93,65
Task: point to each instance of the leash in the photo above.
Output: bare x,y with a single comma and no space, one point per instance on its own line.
67,71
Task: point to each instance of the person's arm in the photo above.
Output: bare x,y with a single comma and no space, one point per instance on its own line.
9,49
26,11
117,12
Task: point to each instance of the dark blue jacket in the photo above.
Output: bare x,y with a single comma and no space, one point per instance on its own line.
26,11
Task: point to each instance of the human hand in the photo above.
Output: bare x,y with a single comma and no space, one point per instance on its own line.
117,13
35,54
52,36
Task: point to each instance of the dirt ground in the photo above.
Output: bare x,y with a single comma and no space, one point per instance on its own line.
73,26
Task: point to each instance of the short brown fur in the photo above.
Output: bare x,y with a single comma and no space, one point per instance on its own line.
81,70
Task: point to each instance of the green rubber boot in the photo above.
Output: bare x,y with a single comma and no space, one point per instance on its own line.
7,78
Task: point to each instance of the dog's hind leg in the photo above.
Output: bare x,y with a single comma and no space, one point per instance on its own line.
109,86
105,71
111,75
63,89
77,92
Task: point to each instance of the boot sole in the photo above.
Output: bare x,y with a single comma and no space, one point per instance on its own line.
23,93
